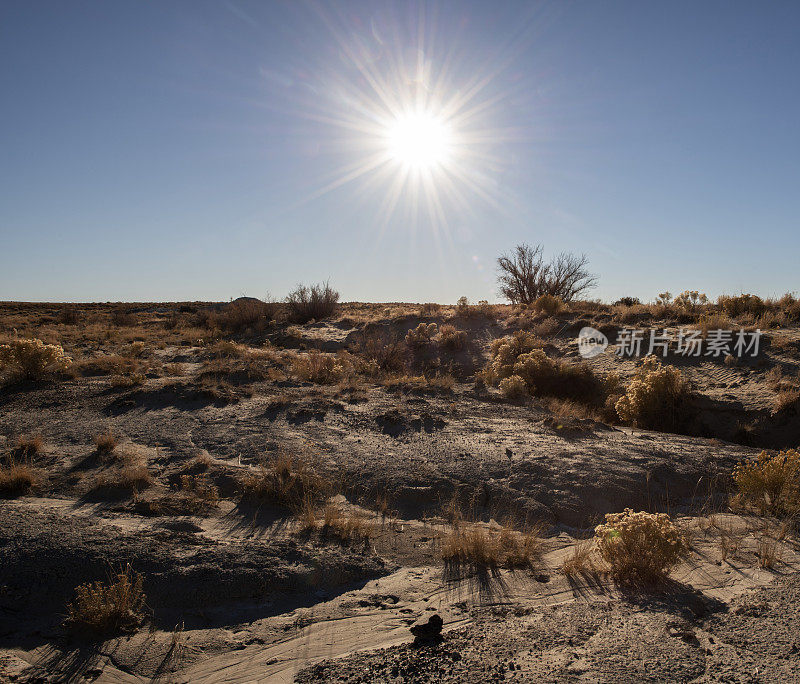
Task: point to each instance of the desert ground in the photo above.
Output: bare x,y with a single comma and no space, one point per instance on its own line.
201,492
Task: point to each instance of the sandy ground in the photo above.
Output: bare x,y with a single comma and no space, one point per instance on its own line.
235,592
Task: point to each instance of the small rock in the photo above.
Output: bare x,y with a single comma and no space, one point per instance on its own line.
429,631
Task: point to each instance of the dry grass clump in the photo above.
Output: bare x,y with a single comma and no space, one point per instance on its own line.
579,561
108,607
33,359
640,546
322,369
421,336
106,442
346,529
287,482
474,549
17,478
133,477
787,399
451,338
195,495
771,482
30,445
313,303
656,398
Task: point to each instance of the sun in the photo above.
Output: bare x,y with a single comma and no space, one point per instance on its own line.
419,141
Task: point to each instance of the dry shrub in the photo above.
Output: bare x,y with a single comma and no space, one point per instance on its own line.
628,301
480,310
69,315
127,381
312,303
383,352
109,364
104,608
422,335
33,359
420,383
656,398
546,328
240,315
555,378
714,321
690,300
106,442
640,546
771,482
506,350
287,482
547,304
123,317
323,369
430,309
17,478
514,388
452,339
741,305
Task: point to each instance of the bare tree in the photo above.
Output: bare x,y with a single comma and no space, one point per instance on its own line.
524,276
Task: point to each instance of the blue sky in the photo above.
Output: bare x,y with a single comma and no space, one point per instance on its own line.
201,150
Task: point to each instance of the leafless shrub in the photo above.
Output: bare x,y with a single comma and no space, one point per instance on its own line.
313,303
524,276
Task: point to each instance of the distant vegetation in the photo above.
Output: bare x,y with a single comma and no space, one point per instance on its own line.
525,276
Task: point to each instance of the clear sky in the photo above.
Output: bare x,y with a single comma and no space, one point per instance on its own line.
182,150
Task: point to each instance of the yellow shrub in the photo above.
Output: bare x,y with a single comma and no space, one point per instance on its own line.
514,388
547,304
639,547
317,367
451,338
654,397
506,351
33,359
771,482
